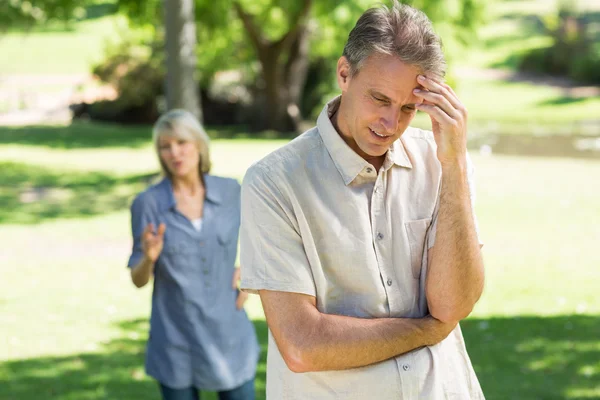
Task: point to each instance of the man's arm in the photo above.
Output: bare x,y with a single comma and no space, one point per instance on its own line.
455,278
309,340
455,266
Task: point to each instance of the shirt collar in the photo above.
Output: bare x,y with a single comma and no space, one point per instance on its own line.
213,191
167,197
348,163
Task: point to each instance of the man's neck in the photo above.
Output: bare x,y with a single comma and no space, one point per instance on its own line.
375,161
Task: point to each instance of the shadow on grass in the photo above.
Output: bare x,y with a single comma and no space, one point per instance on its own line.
116,372
30,194
91,135
562,100
536,358
78,135
515,358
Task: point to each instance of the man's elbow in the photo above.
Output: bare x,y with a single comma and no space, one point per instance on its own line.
449,314
297,358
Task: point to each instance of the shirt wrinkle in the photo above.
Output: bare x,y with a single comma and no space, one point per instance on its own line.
359,244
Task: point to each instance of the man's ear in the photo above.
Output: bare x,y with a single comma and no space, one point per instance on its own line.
343,73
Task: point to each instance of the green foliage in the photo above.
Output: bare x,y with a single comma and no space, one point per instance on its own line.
223,43
575,49
31,13
135,70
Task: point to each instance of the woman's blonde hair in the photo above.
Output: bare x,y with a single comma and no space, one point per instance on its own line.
182,124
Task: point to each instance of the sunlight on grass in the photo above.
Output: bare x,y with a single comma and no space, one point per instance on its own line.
60,52
537,107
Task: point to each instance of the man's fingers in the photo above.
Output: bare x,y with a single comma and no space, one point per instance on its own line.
437,113
441,88
439,100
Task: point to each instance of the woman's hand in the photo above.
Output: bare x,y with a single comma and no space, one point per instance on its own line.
242,296
152,243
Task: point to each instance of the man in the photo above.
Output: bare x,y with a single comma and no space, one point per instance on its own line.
359,234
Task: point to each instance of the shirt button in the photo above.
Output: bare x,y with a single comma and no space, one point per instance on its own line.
369,170
406,367
389,282
203,259
205,272
379,235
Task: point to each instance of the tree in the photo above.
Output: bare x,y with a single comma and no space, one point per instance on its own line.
285,35
284,63
28,13
180,46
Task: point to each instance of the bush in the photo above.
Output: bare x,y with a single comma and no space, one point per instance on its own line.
574,52
136,72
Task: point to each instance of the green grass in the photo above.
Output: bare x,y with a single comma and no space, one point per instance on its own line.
74,327
60,51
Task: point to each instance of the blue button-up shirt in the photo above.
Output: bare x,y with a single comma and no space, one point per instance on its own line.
197,336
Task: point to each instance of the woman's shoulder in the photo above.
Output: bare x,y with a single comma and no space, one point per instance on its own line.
150,197
221,183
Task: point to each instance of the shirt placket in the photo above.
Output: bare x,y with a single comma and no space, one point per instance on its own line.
382,242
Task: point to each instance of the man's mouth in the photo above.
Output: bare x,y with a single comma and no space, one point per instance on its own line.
379,134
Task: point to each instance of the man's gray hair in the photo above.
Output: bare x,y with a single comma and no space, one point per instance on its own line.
402,31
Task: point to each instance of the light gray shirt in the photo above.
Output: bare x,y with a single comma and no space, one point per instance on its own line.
318,219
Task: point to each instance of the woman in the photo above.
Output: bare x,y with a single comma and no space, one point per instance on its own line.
185,233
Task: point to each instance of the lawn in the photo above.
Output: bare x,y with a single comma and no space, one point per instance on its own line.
60,48
74,327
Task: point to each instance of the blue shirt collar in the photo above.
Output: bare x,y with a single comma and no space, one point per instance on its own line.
167,197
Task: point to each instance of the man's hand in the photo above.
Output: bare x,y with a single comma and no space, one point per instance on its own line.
152,243
242,296
448,119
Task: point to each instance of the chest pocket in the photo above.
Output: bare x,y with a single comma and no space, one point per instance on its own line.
417,232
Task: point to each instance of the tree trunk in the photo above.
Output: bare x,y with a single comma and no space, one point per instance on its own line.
284,65
181,85
296,72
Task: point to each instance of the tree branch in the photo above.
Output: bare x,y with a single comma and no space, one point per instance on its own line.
251,28
292,34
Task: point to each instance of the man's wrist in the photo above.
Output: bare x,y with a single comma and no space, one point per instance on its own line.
457,164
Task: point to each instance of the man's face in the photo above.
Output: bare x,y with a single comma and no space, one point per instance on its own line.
377,103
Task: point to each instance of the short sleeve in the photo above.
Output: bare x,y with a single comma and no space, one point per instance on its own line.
142,213
471,182
272,253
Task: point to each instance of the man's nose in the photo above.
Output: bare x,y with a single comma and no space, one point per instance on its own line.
390,121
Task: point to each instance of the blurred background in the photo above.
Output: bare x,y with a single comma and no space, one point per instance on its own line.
81,83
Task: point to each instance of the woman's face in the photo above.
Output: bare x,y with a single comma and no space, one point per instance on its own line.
180,156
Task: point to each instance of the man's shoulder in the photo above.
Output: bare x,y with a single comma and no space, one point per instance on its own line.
288,156
419,144
415,135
